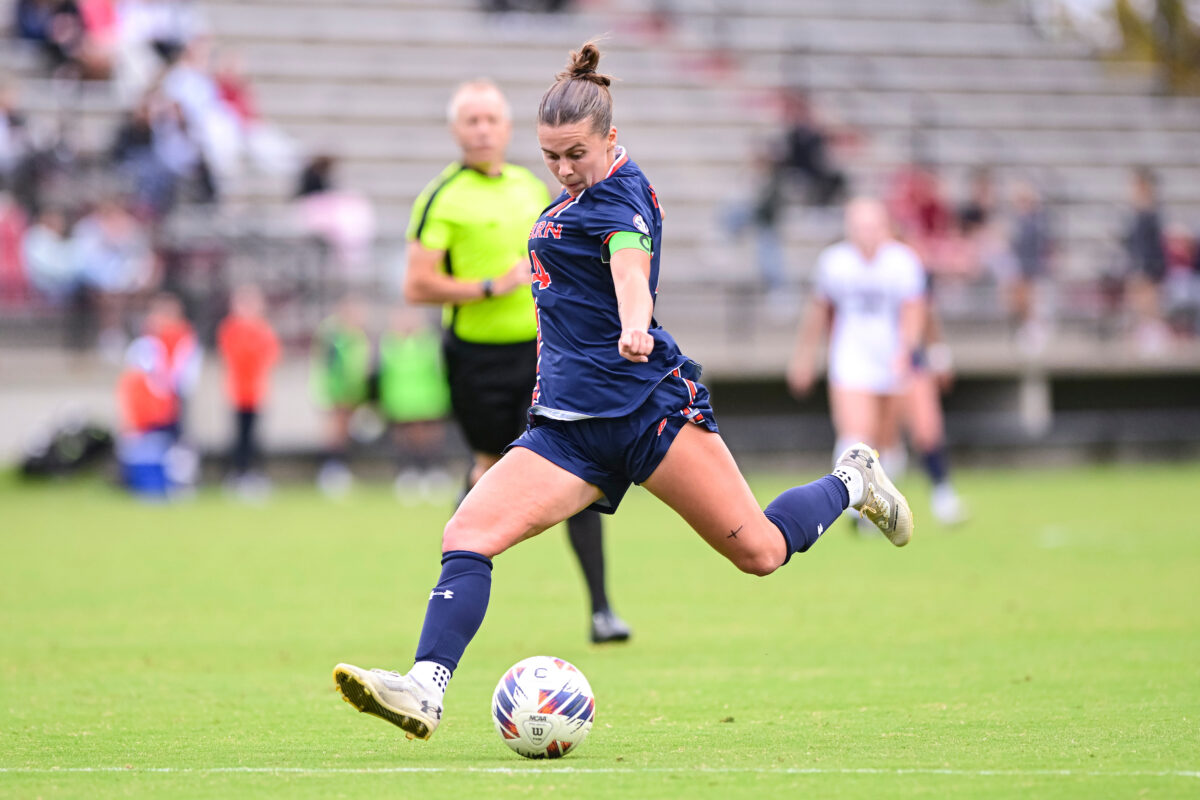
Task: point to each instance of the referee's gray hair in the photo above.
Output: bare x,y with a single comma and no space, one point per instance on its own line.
479,84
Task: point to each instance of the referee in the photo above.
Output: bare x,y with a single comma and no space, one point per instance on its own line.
467,251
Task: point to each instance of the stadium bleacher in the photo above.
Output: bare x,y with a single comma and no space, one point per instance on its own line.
369,79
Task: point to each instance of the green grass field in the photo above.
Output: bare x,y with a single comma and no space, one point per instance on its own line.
1050,648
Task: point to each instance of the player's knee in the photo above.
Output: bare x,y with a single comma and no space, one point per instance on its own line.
461,534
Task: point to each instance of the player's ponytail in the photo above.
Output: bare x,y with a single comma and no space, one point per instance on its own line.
579,93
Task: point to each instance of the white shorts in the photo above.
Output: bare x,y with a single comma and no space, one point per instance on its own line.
865,375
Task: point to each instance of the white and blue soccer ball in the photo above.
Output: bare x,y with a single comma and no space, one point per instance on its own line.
543,707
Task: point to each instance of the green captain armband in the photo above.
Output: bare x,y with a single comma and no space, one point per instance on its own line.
628,240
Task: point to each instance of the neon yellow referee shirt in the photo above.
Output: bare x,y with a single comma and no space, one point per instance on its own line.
482,223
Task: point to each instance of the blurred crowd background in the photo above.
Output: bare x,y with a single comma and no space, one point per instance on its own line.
1043,157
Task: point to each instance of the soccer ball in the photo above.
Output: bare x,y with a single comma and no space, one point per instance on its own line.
543,707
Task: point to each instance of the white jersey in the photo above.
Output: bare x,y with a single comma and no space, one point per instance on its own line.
866,297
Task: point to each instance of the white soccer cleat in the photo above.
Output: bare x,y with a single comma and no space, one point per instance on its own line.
882,502
397,698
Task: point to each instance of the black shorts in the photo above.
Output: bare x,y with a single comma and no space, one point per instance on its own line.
491,387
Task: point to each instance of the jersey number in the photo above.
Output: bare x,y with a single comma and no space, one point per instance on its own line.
539,272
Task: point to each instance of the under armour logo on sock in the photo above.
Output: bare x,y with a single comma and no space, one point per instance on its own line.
446,593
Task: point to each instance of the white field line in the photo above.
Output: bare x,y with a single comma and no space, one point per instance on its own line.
967,773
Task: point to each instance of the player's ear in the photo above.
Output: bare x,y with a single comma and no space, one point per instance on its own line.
611,139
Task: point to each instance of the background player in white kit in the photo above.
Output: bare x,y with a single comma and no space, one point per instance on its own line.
870,296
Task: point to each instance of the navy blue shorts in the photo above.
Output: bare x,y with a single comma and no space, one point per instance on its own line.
614,453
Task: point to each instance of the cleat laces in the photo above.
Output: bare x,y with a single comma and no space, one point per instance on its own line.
876,507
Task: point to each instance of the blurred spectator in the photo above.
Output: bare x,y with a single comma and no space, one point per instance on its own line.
13,283
982,230
762,214
1147,261
221,115
1031,249
114,261
49,262
805,154
1181,287
177,148
250,350
415,399
184,357
920,213
28,167
344,220
976,213
267,146
33,19
112,251
77,36
341,365
316,177
145,400
212,124
140,162
100,37
148,413
799,157
14,136
152,33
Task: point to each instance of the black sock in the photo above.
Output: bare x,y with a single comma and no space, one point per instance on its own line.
584,530
935,465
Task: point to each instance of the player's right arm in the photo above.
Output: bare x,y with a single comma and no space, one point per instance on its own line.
802,370
426,282
818,318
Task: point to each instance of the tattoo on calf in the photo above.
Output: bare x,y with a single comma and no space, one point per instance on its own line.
733,534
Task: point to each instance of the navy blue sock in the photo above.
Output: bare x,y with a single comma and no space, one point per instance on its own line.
456,607
803,513
935,465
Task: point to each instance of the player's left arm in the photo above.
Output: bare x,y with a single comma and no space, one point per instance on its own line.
938,356
631,281
913,316
912,324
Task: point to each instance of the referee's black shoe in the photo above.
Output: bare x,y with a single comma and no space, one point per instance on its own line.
608,627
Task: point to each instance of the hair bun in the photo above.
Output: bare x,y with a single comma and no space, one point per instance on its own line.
582,66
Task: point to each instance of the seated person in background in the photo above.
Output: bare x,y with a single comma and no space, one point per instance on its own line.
46,249
345,220
921,215
113,258
1146,259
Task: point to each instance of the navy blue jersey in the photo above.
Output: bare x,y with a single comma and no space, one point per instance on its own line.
580,372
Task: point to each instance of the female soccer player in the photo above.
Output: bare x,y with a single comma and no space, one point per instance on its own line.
932,374
615,403
871,293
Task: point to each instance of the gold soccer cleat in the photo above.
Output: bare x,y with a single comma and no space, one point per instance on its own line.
882,503
388,695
